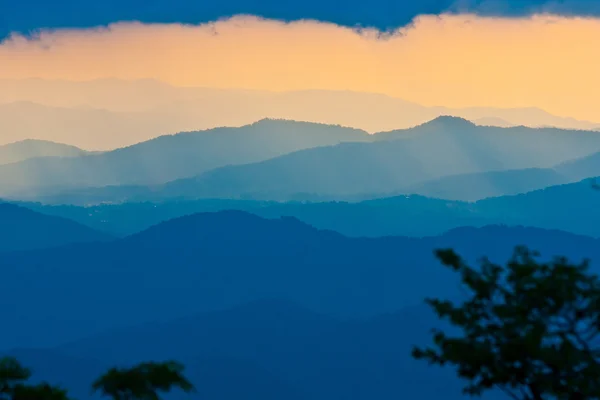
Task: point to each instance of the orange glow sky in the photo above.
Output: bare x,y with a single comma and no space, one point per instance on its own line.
456,61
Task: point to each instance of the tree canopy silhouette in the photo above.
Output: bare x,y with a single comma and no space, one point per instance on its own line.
43,391
12,374
142,382
530,328
14,386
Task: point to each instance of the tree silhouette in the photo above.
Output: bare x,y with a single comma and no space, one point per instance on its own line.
13,384
530,328
142,382
12,374
42,391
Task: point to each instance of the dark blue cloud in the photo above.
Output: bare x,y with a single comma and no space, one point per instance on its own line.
25,16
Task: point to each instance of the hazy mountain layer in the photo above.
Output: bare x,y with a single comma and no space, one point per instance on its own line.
571,207
272,349
290,353
26,149
109,113
173,156
403,162
23,229
206,262
427,160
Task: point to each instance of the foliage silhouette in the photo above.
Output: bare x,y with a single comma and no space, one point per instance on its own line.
12,374
13,386
43,391
531,328
143,381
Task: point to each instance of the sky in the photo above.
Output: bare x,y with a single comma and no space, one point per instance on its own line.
31,15
433,52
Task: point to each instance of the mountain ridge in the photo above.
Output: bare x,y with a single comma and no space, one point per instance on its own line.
370,111
427,151
396,215
33,148
172,156
23,229
198,267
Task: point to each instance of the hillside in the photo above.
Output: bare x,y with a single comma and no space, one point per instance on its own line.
23,229
570,207
26,149
581,168
398,162
291,353
171,157
481,185
401,215
225,185
283,160
205,262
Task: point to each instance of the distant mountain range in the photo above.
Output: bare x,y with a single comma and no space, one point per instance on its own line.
281,160
173,156
272,349
400,161
110,113
87,128
23,229
212,261
477,186
581,168
570,207
276,259
482,185
254,307
399,216
26,149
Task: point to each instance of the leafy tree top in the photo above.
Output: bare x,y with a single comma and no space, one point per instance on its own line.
530,328
14,386
12,374
143,381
